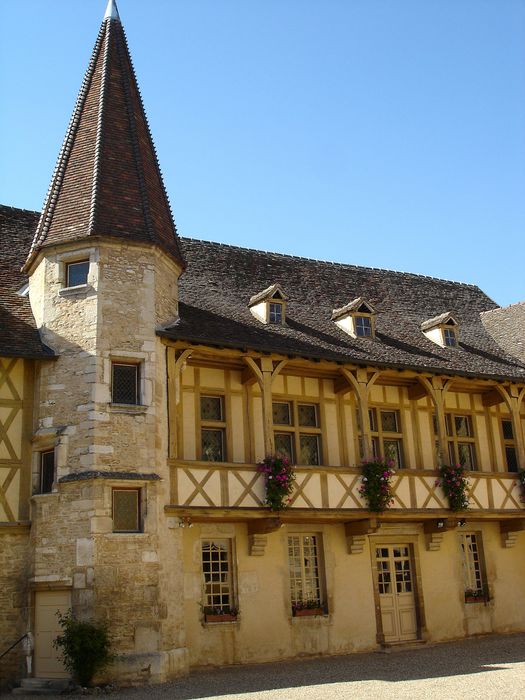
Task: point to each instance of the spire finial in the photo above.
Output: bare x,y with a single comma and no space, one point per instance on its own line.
112,11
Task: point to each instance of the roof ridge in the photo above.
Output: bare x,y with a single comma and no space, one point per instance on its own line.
502,308
330,262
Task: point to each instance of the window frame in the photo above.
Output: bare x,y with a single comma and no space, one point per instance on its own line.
315,581
455,441
361,317
139,518
379,436
218,426
210,606
71,263
41,457
449,333
297,431
279,317
509,444
473,564
138,366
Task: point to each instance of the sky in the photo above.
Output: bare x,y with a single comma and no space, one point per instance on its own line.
385,133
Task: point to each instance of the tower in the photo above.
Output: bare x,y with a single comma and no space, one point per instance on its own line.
103,270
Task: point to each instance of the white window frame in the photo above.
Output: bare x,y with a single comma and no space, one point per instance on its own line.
305,586
218,586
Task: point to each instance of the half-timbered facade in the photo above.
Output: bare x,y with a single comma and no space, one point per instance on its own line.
143,377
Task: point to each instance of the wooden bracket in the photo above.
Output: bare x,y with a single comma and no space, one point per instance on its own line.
356,532
509,530
417,391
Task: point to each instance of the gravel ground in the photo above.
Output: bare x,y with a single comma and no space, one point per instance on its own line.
485,667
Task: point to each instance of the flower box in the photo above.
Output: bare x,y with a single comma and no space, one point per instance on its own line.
308,612
221,617
475,599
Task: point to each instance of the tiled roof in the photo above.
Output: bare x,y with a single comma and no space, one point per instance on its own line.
107,180
220,280
18,334
507,326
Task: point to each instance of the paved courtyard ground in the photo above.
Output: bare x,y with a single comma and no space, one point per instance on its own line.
485,668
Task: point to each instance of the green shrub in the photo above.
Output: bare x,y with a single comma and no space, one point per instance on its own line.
85,647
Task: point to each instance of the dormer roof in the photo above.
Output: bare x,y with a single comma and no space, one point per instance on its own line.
274,291
445,319
107,180
358,305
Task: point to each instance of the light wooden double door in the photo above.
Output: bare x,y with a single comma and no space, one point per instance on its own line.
396,586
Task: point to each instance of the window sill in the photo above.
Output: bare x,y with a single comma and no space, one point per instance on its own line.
130,408
73,291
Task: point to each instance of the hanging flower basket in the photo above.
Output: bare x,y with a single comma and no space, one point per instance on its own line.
376,484
279,476
521,483
455,485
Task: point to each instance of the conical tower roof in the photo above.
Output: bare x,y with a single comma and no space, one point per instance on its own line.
107,180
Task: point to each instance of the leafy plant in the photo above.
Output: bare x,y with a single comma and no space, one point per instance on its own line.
279,476
85,647
521,482
455,486
311,604
376,484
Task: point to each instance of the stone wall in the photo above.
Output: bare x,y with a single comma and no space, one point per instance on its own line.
14,600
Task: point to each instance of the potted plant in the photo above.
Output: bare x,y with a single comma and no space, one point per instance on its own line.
279,476
307,608
455,486
224,613
475,595
376,484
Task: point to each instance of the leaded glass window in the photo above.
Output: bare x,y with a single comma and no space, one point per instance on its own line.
211,408
126,510
125,384
212,444
213,429
297,433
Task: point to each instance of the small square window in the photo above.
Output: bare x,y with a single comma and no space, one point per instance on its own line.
47,471
126,510
77,273
281,413
275,313
508,433
284,445
308,415
363,326
125,384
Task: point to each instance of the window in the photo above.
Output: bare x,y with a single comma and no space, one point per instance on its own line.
511,457
449,337
363,326
77,273
297,433
126,510
386,434
47,471
473,566
213,428
275,312
217,579
461,442
305,565
125,383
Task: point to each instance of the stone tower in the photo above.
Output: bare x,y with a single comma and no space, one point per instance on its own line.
103,270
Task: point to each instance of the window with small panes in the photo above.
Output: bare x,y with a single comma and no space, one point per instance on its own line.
297,431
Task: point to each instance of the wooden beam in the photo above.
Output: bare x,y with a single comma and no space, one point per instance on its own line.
492,398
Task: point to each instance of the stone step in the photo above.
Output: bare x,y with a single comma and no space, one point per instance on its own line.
42,686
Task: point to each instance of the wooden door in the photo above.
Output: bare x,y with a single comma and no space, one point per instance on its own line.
48,663
395,579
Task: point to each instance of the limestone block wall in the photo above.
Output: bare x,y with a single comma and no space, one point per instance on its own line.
130,290
14,600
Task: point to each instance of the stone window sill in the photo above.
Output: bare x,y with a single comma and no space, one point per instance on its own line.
73,291
131,409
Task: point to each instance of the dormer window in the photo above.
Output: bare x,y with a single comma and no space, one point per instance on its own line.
356,318
443,330
269,306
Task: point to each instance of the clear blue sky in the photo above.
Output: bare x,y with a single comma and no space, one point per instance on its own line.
388,133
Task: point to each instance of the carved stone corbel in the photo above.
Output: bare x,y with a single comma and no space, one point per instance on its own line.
509,530
356,532
257,534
